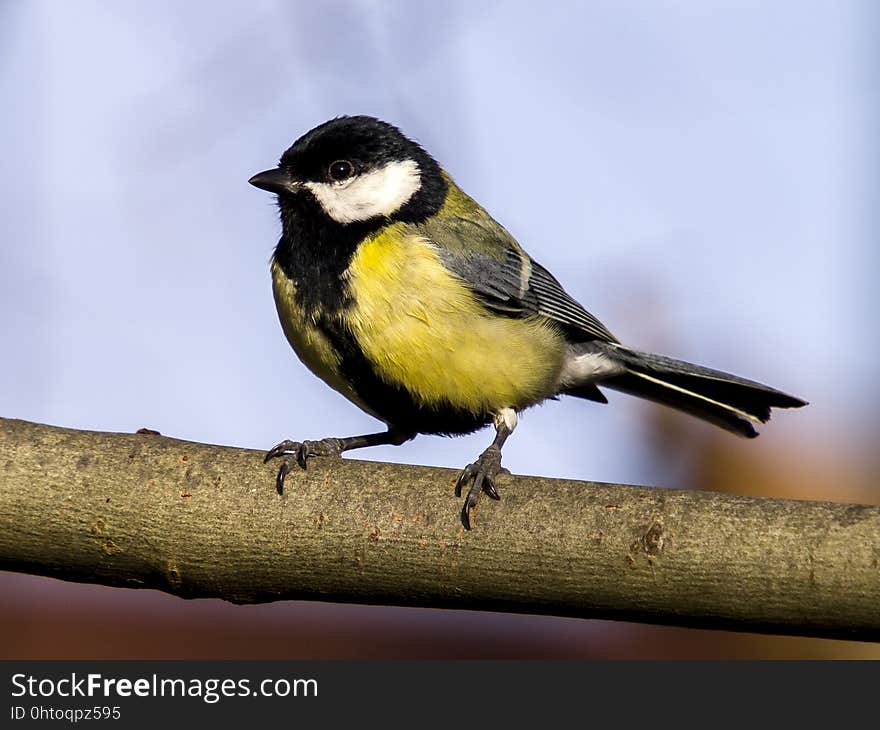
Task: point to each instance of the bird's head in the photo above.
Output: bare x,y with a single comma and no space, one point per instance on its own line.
358,169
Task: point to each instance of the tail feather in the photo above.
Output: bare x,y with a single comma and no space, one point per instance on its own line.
728,401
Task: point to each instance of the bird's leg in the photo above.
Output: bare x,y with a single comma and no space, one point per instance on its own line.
482,473
294,453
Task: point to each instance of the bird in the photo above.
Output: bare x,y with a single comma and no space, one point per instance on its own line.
403,294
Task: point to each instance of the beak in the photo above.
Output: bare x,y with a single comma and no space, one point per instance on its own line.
276,181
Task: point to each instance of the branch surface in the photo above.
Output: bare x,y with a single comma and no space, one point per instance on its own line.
146,511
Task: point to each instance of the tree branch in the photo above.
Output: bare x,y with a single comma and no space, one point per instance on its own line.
145,511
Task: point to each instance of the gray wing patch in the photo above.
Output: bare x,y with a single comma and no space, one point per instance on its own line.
500,285
505,277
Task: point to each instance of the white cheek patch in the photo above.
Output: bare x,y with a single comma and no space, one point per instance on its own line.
375,194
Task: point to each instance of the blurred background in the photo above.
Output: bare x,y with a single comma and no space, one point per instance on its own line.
702,176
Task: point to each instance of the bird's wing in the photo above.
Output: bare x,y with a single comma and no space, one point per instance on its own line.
504,277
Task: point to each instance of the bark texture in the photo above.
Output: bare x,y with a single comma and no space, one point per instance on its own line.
146,511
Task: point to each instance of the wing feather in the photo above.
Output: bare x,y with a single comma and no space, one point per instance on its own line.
504,277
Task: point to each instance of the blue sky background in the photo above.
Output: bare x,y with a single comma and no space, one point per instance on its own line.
700,176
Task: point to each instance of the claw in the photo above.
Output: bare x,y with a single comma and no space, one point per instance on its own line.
282,474
302,454
295,452
481,474
282,449
465,516
466,475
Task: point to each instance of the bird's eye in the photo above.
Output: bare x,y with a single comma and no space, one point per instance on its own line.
340,170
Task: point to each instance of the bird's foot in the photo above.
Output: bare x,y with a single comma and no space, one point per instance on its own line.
481,475
297,453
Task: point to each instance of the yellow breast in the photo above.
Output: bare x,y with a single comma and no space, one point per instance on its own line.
422,329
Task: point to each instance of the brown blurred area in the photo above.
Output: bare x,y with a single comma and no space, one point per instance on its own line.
46,619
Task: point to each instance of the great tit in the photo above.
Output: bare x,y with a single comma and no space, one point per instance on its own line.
406,296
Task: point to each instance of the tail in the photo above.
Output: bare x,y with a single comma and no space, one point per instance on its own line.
728,401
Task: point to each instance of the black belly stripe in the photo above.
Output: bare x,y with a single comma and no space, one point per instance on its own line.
394,403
